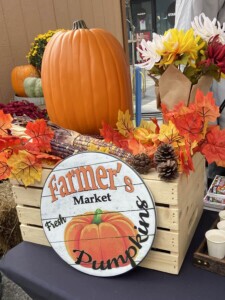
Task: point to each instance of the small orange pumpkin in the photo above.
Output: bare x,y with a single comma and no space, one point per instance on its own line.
18,74
85,79
103,235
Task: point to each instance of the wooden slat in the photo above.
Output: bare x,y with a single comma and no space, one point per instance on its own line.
74,8
165,262
168,191
29,215
167,217
62,14
47,15
6,92
34,235
87,12
113,18
98,13
16,30
27,196
166,240
31,19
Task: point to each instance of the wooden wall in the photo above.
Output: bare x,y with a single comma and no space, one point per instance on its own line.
22,20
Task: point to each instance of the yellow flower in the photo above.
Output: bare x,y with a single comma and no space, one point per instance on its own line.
178,44
35,54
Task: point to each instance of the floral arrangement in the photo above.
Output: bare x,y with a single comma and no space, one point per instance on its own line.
38,47
22,153
186,129
196,52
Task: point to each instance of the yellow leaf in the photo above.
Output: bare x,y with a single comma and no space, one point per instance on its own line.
149,125
141,134
25,168
170,134
124,124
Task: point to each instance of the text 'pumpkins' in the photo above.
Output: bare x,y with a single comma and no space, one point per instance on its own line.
85,79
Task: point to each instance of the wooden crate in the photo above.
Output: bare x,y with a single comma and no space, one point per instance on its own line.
179,205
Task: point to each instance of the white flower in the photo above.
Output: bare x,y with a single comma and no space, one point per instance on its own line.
150,51
206,28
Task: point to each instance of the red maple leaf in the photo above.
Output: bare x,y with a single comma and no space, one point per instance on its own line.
48,158
40,134
178,110
111,135
155,121
9,142
214,146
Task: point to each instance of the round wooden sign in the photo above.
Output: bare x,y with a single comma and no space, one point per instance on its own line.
98,214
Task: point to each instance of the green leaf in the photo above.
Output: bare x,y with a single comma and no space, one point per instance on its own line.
183,60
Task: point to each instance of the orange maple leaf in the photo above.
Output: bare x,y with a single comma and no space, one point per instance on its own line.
5,123
48,159
205,106
214,146
186,163
41,134
190,125
135,146
5,170
178,110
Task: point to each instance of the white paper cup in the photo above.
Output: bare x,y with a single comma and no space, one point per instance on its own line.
221,225
216,243
222,215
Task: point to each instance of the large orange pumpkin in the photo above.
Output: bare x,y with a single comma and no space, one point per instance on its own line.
103,235
85,79
19,74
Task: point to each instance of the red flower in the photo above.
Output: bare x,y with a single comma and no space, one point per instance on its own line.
215,54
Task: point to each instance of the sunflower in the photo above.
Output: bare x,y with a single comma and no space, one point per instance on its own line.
180,47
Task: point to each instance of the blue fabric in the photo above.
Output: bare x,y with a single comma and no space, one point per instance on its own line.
43,275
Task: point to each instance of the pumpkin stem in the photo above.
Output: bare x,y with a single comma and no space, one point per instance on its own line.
97,217
79,24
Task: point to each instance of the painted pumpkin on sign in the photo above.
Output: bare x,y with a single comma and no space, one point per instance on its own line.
85,79
104,236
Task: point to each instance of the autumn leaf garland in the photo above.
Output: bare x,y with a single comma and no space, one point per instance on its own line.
187,129
22,155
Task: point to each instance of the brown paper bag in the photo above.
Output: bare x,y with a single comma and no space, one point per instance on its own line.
174,87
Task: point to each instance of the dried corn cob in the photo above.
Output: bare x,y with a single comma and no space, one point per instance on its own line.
82,143
65,142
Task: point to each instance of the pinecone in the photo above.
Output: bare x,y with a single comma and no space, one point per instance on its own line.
163,153
142,163
168,170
